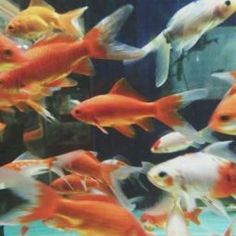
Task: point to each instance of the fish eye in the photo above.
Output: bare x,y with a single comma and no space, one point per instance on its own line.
162,174
7,53
224,118
228,3
11,28
77,112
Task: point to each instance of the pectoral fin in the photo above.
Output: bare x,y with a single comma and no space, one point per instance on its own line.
146,124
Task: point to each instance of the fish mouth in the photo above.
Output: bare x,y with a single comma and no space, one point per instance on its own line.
227,128
154,180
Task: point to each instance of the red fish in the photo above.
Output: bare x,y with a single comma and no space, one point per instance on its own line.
100,218
60,55
123,107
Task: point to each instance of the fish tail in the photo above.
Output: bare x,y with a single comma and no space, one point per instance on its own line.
100,41
40,110
193,216
35,200
162,48
71,23
166,110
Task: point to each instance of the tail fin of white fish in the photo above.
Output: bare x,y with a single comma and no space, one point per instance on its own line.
207,135
162,49
229,77
101,42
166,110
221,149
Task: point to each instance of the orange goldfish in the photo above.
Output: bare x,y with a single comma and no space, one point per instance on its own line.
60,55
160,220
79,184
100,218
10,55
123,107
32,200
41,19
223,119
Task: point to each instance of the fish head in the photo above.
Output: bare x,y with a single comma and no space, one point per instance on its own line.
223,119
30,27
165,177
224,8
10,54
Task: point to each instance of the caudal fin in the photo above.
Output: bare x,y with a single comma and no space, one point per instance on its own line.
162,48
101,43
166,110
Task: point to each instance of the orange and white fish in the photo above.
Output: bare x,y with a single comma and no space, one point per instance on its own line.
161,220
32,200
175,142
185,29
40,19
123,107
100,218
11,56
223,119
204,175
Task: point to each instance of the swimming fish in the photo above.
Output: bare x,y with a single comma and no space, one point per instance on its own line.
202,175
11,56
175,142
100,218
184,30
40,19
160,220
123,107
58,56
223,119
24,200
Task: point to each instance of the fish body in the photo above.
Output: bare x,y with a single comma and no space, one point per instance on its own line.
26,200
184,30
41,19
123,107
90,217
198,174
11,56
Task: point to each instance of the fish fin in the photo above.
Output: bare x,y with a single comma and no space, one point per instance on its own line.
167,112
128,131
122,87
26,156
42,3
146,124
23,230
216,206
162,48
146,166
101,129
229,77
100,40
40,110
68,20
208,135
194,216
83,66
9,10
221,149
61,83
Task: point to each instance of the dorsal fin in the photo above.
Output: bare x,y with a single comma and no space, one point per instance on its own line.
34,3
59,38
26,156
122,87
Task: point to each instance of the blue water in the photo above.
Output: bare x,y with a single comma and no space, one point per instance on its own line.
211,225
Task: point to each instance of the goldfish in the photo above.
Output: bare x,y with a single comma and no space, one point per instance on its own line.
122,107
175,142
100,218
33,200
223,118
78,162
207,175
160,220
11,56
184,30
40,19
